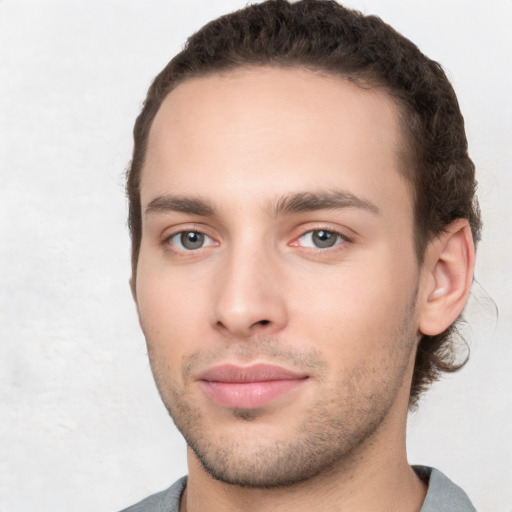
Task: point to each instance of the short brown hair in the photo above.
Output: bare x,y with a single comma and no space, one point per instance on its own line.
322,35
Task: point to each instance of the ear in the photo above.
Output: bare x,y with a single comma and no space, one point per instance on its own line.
447,277
134,296
132,288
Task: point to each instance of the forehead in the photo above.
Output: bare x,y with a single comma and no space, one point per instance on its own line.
289,128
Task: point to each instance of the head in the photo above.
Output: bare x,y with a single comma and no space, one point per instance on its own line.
326,37
321,46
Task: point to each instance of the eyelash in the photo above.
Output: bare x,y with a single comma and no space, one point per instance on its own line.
341,239
168,240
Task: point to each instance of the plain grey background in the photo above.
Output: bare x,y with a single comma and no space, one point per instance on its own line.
81,425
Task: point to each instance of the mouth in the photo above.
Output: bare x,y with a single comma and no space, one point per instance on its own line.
248,387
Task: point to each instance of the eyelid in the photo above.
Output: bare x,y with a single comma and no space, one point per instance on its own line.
178,245
189,228
344,238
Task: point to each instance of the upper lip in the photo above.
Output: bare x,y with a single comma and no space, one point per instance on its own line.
246,374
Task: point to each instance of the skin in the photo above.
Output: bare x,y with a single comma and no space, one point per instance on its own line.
238,147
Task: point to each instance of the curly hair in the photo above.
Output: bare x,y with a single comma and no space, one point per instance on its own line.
322,35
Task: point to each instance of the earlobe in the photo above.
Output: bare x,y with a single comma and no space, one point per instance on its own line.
448,275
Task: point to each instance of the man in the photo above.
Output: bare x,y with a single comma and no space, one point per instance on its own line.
303,225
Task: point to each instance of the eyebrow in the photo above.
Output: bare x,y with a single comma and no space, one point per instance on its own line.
181,204
299,202
321,200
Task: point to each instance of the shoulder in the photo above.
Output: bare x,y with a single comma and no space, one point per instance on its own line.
442,495
164,501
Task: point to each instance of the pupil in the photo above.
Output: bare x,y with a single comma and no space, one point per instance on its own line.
192,240
324,238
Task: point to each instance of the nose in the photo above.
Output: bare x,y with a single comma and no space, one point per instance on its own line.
249,295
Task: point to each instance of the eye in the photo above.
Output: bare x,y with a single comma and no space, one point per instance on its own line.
320,239
190,240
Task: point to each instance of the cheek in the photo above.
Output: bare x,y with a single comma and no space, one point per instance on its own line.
172,310
358,312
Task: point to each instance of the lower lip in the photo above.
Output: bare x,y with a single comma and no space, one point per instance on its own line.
248,395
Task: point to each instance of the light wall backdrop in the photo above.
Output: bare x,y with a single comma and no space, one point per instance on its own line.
81,425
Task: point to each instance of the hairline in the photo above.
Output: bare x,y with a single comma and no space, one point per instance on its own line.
407,161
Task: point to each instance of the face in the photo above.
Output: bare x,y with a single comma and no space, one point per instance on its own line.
277,276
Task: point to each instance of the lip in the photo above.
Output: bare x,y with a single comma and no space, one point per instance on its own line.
248,387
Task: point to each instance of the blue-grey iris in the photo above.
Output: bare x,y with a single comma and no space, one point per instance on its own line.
323,239
192,240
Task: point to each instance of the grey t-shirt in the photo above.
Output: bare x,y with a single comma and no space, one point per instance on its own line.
442,496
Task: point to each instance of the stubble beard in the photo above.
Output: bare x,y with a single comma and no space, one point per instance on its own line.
339,425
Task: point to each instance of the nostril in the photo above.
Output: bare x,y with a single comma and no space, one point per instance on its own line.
263,322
